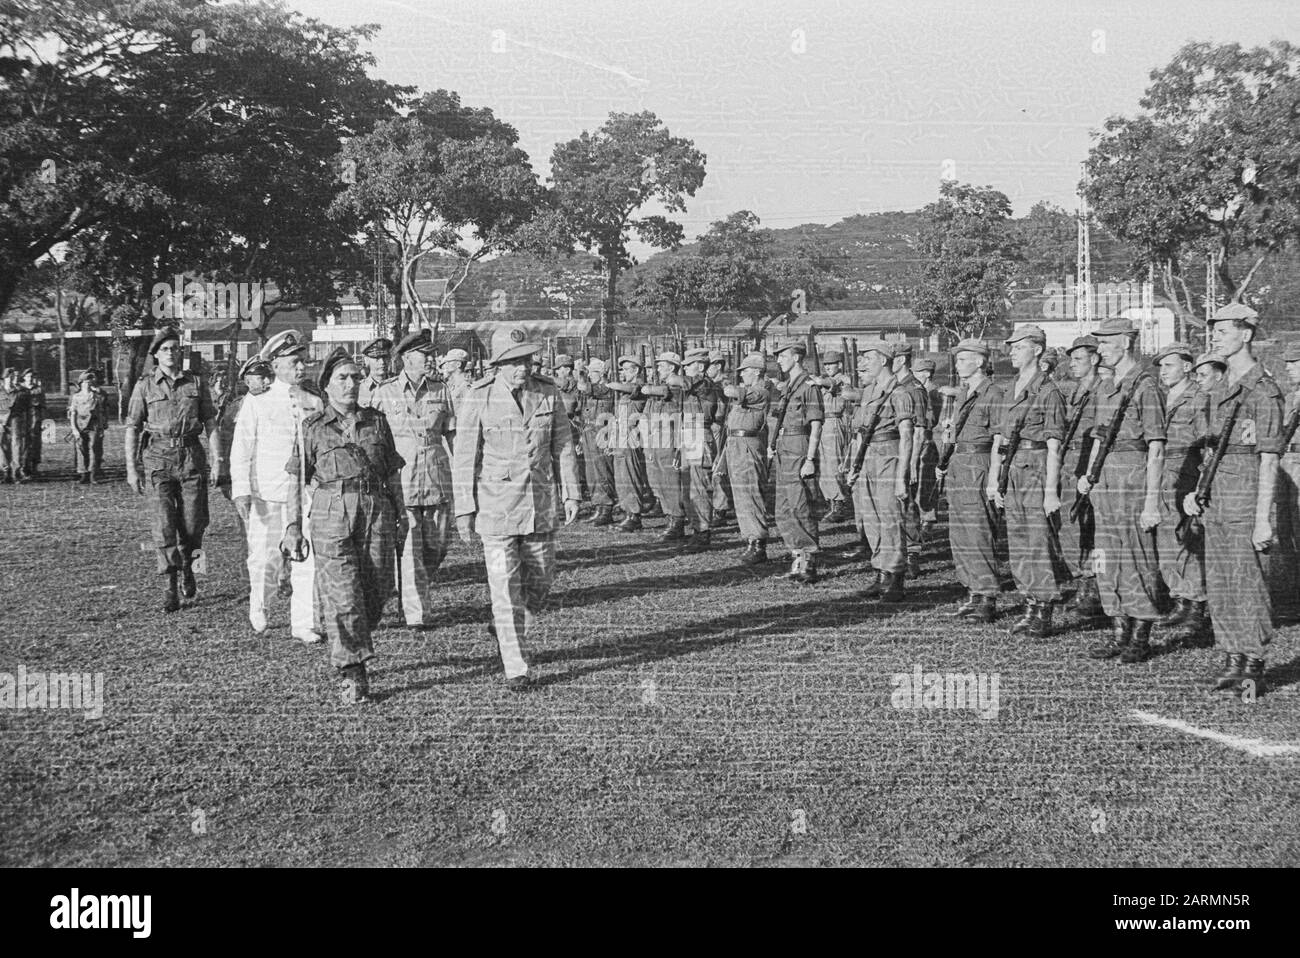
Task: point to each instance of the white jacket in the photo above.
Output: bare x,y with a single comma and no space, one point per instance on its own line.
265,431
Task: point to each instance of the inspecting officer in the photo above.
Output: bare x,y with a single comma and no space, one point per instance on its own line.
378,354
169,408
88,417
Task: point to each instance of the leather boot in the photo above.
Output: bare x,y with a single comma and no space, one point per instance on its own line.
838,512
1234,668
84,479
1252,678
1139,647
354,687
875,587
860,550
755,552
676,530
604,516
1087,600
189,588
966,608
1179,614
796,566
1193,633
1041,627
810,575
698,542
631,524
1121,628
1026,622
893,587
986,609
914,565
171,599
654,512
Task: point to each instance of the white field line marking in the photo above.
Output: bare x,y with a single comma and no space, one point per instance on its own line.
1252,746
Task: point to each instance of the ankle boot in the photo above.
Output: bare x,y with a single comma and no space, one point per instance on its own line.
875,587
914,565
755,552
631,524
839,512
1041,627
966,608
1026,621
986,609
892,590
171,600
604,516
810,575
1139,646
189,588
698,542
1252,678
676,530
860,550
1193,633
1121,628
1179,614
796,566
1234,668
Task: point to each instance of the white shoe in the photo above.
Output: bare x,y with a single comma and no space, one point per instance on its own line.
258,621
311,638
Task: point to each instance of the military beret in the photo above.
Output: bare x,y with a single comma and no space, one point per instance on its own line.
972,346
514,351
717,356
833,357
903,349
287,343
1115,327
1083,342
669,357
1236,311
453,356
754,361
1028,331
332,362
1292,354
1209,359
885,349
924,366
160,337
695,356
378,348
256,366
420,340
798,345
597,365
630,360
1174,349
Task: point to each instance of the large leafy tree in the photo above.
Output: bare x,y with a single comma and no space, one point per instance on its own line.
1209,169
602,180
970,253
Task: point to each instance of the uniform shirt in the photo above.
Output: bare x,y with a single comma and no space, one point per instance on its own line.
36,411
628,408
88,412
14,405
572,401
896,403
749,408
985,418
1259,421
1081,400
366,397
700,405
1291,403
1042,406
339,446
661,418
266,429
170,407
833,395
506,454
920,399
802,402
419,415
1187,418
1145,416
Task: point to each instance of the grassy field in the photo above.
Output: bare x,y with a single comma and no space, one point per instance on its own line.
690,712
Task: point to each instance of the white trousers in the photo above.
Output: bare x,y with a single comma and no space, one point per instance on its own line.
520,570
266,524
427,537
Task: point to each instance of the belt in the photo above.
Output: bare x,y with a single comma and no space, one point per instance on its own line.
356,484
834,415
975,448
171,442
1172,452
1028,445
795,431
743,433
1240,449
1129,445
883,436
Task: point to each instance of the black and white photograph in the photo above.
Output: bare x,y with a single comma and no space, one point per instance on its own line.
571,434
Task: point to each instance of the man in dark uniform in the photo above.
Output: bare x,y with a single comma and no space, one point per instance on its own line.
661,427
1181,559
1127,503
35,420
1238,526
927,480
1077,536
698,446
598,432
1288,479
1209,370
835,437
1030,436
88,417
172,407
723,500
972,520
882,451
923,436
378,355
573,400
357,514
14,410
629,451
796,437
745,455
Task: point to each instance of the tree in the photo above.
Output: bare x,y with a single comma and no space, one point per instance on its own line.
1210,169
602,179
969,255
445,179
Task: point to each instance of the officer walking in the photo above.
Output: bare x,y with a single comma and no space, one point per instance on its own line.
35,420
573,400
88,417
511,436
1130,435
796,439
171,407
597,440
927,479
1029,438
1236,516
421,418
378,355
1077,535
348,457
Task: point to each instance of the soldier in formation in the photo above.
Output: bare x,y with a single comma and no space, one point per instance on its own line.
599,429
88,417
796,438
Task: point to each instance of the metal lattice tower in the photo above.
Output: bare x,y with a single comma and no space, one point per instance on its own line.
1083,259
1211,295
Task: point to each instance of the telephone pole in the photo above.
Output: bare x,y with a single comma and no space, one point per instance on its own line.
1083,259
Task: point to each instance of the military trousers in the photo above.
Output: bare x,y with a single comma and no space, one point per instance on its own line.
428,536
1239,602
88,451
176,491
520,570
831,452
795,519
723,497
1181,563
666,481
264,531
697,487
1125,554
879,510
927,481
352,536
1032,544
1286,528
1077,538
972,523
633,484
599,464
745,462
13,449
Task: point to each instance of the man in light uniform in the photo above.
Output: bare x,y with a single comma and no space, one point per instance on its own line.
597,441
745,455
378,354
835,437
512,434
421,416
451,367
266,429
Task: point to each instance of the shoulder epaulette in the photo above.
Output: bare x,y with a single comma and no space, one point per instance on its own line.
313,417
545,380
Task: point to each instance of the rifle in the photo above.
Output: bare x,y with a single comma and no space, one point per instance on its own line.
1013,445
1292,425
867,431
853,368
1074,428
550,354
844,352
949,394
816,357
735,365
1190,526
1112,432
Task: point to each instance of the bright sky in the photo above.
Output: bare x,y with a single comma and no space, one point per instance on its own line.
812,110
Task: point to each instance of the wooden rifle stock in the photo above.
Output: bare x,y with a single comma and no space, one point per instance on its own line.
1190,524
1112,433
